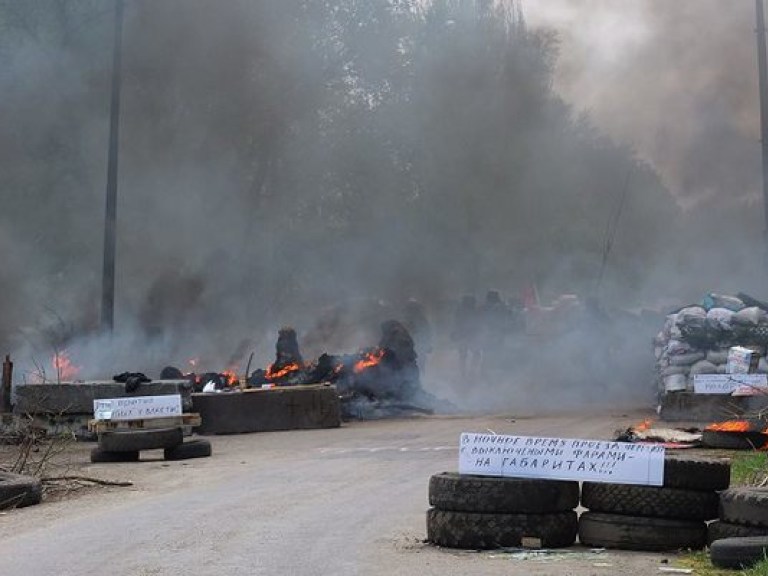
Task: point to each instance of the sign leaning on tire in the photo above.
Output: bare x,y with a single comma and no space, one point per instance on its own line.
522,491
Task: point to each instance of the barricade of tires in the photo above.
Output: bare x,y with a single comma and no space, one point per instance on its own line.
484,512
740,537
125,445
655,518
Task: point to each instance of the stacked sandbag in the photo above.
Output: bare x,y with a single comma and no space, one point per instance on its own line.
655,518
696,339
486,512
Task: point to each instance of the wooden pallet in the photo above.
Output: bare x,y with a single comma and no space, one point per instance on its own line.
191,419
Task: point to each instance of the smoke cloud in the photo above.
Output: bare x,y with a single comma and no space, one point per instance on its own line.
286,164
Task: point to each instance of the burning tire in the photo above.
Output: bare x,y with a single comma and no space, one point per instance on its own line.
696,473
198,448
719,530
739,552
98,455
463,493
137,440
657,502
487,531
17,490
746,506
640,533
733,440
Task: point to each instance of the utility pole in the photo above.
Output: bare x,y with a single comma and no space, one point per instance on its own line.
763,75
110,220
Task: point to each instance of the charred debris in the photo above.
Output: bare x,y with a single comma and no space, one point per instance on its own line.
374,382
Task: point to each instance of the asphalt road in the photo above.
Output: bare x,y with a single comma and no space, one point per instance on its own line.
340,501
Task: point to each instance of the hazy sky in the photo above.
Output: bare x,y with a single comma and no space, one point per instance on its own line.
675,79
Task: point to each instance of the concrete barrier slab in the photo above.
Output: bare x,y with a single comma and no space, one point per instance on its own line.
287,408
77,398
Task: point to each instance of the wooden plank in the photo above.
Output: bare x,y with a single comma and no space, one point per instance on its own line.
191,419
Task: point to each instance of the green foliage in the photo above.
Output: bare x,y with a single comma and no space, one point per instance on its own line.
749,469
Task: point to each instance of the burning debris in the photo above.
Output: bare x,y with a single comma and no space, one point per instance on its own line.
647,432
374,382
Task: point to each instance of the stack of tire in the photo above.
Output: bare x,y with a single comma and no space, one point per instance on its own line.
655,518
484,512
125,445
740,537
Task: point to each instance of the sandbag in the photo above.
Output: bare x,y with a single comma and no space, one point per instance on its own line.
692,317
717,356
686,359
703,367
720,319
722,301
672,370
750,317
722,369
678,348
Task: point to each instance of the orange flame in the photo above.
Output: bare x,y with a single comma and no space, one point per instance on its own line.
730,426
231,377
273,374
368,360
644,425
64,367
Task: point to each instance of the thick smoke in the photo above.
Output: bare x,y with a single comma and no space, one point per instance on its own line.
287,163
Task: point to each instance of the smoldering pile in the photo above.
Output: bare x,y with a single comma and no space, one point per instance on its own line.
696,339
377,381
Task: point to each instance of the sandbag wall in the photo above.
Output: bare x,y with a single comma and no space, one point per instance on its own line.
696,340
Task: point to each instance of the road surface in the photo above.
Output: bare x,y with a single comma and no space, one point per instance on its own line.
342,501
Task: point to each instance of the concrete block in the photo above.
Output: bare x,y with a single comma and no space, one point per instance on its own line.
77,398
707,408
255,410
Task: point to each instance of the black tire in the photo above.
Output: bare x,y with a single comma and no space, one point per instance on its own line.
640,533
653,501
747,506
465,493
17,490
733,440
137,440
98,455
739,552
487,531
719,530
696,473
199,448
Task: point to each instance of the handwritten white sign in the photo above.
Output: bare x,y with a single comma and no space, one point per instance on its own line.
137,407
561,459
727,383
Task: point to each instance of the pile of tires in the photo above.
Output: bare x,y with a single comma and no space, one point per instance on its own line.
655,518
740,537
125,445
484,512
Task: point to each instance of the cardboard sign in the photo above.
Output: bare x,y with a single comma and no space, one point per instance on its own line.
741,360
137,407
561,459
728,383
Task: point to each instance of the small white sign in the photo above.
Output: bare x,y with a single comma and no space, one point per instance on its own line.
137,407
561,459
727,383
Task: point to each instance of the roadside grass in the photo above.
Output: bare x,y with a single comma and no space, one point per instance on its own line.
749,469
702,566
